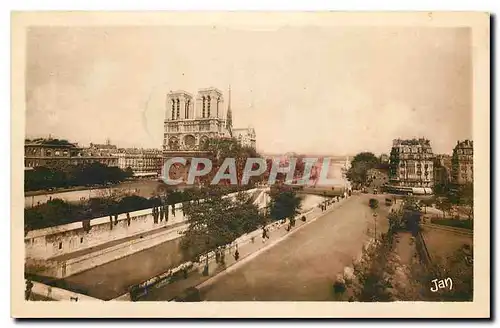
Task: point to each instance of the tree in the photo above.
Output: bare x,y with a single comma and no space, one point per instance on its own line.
217,222
395,220
52,213
129,172
220,149
360,164
466,198
284,204
246,216
443,204
135,203
426,203
410,203
72,175
441,189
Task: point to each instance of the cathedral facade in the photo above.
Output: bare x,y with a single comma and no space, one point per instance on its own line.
191,120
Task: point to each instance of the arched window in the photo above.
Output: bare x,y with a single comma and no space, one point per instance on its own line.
186,110
178,109
173,109
218,101
203,112
208,106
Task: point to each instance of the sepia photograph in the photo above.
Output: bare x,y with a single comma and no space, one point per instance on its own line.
314,161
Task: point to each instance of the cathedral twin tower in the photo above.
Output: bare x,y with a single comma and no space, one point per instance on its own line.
189,123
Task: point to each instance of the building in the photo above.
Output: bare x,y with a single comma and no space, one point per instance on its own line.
143,162
411,163
245,136
57,153
103,149
187,126
190,121
462,163
442,169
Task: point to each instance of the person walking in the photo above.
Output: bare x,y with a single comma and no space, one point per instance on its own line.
236,254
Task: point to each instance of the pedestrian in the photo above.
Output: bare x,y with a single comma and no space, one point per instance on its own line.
222,257
265,234
236,255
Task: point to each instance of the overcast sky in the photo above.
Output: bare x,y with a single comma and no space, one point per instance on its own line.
309,90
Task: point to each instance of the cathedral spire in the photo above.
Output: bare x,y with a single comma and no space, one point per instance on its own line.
229,118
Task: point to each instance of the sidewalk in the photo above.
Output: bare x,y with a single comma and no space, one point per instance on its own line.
247,249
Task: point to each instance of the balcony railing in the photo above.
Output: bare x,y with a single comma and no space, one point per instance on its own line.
194,125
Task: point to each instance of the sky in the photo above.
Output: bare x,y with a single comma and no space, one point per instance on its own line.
328,90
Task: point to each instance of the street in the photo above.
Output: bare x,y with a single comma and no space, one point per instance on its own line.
303,266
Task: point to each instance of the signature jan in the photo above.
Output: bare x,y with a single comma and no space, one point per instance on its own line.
441,284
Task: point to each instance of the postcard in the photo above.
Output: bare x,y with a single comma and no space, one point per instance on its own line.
250,165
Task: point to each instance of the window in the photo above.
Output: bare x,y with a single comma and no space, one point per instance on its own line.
411,169
173,109
218,101
208,106
178,109
60,245
203,111
186,110
81,240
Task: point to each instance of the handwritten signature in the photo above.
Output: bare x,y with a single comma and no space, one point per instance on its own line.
441,284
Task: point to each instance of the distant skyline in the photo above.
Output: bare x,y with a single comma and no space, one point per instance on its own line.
315,90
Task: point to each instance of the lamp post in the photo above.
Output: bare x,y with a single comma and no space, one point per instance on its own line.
375,219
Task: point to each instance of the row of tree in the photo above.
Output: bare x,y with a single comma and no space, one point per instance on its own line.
216,222
445,199
56,211
42,178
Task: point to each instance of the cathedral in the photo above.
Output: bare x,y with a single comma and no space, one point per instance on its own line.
190,121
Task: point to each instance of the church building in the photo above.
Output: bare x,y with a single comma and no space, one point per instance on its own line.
190,121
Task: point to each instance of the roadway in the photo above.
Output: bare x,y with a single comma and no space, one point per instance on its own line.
303,266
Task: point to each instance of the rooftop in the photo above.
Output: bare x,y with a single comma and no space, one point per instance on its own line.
139,150
203,90
179,92
411,142
465,144
49,142
103,146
